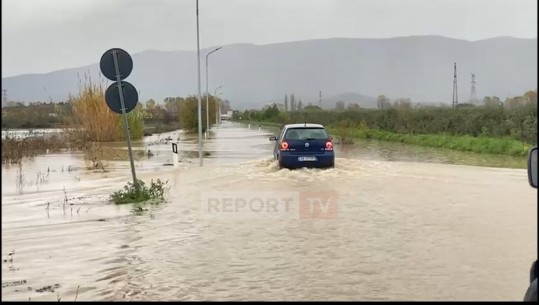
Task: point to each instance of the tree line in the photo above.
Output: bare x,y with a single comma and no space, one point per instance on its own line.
516,117
89,108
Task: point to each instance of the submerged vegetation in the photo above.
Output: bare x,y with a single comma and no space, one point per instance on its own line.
132,193
15,150
85,119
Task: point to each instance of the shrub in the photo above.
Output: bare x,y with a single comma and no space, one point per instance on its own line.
133,194
95,122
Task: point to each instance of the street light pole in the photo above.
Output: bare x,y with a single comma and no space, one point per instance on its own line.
207,93
218,110
199,100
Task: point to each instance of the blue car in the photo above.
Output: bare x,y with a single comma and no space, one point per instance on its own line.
303,145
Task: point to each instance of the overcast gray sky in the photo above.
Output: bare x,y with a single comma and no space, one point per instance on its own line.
40,36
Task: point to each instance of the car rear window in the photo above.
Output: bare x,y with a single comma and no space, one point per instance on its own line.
306,134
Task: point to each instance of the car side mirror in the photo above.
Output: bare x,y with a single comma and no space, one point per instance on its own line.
273,138
532,167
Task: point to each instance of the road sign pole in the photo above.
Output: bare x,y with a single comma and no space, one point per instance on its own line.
126,125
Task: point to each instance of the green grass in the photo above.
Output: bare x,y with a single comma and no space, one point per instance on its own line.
487,145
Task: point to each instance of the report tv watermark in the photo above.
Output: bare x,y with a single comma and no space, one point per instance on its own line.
269,205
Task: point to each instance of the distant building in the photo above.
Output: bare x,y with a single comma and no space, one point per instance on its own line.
227,116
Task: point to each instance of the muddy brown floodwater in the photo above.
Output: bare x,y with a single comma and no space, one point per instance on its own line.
406,223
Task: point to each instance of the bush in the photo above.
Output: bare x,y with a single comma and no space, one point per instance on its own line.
135,120
188,114
95,122
142,193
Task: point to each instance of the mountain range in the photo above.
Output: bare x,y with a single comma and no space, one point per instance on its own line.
348,69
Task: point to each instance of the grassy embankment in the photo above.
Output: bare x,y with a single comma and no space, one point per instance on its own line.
466,143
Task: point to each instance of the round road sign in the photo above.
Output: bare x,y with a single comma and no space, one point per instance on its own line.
125,64
112,97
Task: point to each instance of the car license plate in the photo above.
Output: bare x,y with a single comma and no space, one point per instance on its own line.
307,158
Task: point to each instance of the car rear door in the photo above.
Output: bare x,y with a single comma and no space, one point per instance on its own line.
306,140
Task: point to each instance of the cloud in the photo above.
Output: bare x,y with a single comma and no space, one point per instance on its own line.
41,36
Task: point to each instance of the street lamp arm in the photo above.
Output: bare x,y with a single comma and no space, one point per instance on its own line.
219,48
215,91
207,93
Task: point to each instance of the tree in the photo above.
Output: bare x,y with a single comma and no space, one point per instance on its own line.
383,102
492,101
246,115
172,107
150,104
402,103
353,106
188,114
509,103
154,112
270,113
312,107
532,97
292,103
225,106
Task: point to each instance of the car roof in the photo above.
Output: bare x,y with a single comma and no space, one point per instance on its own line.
303,125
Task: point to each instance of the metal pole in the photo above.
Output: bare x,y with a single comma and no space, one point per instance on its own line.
126,126
207,98
216,107
218,104
207,92
199,101
219,112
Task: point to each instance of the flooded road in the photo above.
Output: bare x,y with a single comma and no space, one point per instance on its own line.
402,226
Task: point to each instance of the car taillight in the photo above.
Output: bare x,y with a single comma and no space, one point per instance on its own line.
329,145
284,146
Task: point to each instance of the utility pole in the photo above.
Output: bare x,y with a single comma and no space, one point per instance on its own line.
455,94
473,94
